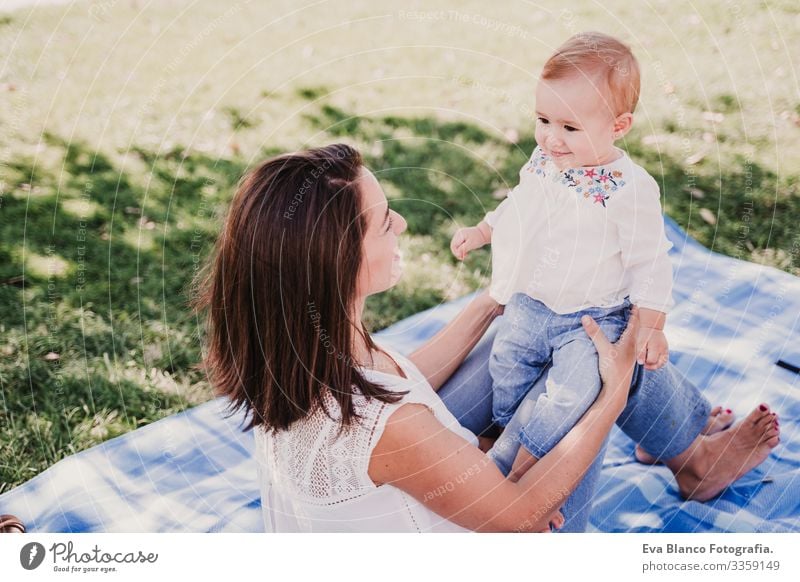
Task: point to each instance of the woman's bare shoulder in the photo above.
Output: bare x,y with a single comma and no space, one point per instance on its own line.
436,466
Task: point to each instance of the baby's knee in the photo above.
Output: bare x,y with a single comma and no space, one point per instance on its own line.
575,393
576,372
579,355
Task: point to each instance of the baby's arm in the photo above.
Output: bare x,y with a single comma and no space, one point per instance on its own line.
474,237
470,238
652,349
640,222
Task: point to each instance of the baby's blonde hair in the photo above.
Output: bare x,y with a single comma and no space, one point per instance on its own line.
601,57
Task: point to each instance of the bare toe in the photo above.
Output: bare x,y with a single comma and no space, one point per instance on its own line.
766,421
712,420
557,521
770,433
758,414
719,419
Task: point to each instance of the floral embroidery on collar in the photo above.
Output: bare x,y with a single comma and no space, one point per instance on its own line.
597,183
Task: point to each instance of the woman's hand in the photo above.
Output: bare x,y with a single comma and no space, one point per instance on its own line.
616,360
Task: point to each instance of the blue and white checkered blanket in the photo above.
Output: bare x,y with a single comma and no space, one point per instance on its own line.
193,472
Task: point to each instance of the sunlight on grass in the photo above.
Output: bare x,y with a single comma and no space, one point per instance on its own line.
80,208
141,238
429,269
28,192
51,265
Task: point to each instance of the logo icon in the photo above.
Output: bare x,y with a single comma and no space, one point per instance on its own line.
31,555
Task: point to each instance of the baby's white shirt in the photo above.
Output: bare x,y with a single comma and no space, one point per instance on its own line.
582,237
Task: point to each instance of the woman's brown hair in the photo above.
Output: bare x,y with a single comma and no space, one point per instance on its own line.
280,288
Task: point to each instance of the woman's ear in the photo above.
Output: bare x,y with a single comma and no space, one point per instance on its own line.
623,124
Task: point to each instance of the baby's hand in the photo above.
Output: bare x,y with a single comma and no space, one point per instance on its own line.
468,239
652,349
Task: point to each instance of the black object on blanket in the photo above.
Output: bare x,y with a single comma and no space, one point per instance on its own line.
787,366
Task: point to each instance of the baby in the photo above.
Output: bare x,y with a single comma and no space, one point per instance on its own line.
581,234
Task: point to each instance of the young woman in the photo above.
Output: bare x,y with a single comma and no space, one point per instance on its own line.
352,436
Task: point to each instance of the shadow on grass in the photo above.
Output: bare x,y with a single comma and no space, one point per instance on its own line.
97,338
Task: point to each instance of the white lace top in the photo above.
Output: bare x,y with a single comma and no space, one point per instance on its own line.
314,479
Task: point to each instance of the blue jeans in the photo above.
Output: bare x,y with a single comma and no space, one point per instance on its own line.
665,413
530,337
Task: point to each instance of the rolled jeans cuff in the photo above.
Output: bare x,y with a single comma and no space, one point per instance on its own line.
531,446
665,411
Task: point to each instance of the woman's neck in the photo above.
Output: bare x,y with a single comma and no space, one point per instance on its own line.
364,355
361,351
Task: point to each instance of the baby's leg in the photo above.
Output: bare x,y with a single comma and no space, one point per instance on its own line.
505,449
519,355
572,386
521,350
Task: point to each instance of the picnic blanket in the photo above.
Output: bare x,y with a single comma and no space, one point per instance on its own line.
733,320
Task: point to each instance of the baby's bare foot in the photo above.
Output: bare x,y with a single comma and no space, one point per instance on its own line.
715,461
718,420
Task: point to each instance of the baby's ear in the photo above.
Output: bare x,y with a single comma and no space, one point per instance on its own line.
623,124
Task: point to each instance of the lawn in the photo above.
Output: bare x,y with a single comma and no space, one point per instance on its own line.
124,127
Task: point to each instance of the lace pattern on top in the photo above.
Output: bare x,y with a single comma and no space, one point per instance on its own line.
316,462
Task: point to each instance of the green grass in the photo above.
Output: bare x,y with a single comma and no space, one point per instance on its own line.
123,133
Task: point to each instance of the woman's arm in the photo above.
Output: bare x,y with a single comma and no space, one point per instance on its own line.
441,355
456,480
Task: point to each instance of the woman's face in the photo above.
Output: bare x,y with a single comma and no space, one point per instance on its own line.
382,264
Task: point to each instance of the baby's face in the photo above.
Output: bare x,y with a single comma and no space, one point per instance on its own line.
574,124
